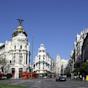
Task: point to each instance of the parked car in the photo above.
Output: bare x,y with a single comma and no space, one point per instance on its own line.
61,78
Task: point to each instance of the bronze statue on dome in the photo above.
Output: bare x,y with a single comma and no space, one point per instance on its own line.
20,21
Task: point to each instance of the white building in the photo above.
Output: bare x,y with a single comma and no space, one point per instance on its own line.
64,63
16,52
42,62
60,65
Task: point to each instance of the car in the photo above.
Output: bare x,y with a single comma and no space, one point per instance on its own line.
61,78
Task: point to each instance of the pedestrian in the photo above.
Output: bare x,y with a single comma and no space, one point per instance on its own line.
83,78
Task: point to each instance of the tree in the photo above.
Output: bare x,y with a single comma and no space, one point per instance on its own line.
84,68
2,63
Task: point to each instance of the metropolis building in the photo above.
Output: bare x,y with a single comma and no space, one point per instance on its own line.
16,52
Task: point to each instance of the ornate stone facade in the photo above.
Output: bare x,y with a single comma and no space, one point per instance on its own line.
16,53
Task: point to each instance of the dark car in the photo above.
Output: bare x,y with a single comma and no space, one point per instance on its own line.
61,78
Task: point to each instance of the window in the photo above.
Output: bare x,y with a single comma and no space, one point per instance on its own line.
25,46
13,70
14,55
14,61
15,47
39,50
10,61
43,50
43,65
39,64
20,55
20,46
20,58
20,69
39,56
20,61
43,56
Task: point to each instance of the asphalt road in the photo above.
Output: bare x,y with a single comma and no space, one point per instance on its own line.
47,83
51,83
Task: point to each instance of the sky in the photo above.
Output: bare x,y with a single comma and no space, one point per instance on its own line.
52,22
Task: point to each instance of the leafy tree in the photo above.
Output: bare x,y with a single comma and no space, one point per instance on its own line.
84,68
2,63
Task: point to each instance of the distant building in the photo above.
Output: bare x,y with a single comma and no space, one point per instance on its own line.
64,63
42,62
16,52
60,65
53,68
